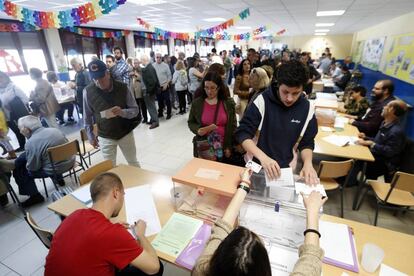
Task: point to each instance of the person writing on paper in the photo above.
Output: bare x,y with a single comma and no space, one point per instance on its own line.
110,104
286,122
241,252
386,146
100,247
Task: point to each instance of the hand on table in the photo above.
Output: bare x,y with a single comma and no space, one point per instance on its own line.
139,228
364,142
309,174
271,167
361,135
351,121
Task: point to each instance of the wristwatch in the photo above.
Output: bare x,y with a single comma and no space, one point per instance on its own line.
244,187
372,145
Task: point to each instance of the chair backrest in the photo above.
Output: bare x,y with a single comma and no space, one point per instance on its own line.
88,175
84,136
403,181
44,235
63,152
334,169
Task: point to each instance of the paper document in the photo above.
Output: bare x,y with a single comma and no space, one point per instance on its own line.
340,141
208,174
307,189
338,243
327,129
139,204
342,119
285,178
107,114
282,259
386,270
326,96
83,194
176,234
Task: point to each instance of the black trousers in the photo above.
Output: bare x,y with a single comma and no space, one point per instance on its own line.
143,108
373,171
164,100
66,106
181,99
20,138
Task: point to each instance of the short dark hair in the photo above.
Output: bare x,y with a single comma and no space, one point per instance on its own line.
51,76
360,89
214,50
292,73
389,85
111,57
216,78
118,48
345,68
241,253
103,184
251,50
399,108
36,73
218,68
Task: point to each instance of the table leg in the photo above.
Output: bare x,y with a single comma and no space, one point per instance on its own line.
360,187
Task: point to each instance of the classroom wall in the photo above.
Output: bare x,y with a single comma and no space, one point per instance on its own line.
404,90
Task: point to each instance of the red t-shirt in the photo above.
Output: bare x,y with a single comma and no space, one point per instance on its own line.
207,118
87,243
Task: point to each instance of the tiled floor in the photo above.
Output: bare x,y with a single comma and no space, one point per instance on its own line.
164,150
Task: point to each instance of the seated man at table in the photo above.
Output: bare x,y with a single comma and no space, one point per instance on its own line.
388,144
35,162
357,105
283,116
383,94
342,81
88,243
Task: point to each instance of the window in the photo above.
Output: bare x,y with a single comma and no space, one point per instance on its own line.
142,46
206,44
179,46
189,48
160,46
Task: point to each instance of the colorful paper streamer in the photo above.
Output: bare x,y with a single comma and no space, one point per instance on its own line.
66,18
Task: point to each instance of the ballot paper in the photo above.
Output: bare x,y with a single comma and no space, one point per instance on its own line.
208,173
83,194
389,271
307,189
107,114
339,245
284,180
282,259
176,234
340,140
342,119
139,204
327,129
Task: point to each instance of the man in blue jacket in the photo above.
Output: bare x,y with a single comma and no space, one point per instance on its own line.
283,116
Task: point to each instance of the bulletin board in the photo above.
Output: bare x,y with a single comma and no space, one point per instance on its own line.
400,58
373,49
358,51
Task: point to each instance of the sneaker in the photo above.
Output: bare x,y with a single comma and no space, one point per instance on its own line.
61,182
149,123
34,199
61,123
71,119
168,117
4,200
160,115
154,125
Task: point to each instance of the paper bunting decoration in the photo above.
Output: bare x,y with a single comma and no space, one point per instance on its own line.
66,18
95,33
269,37
17,27
195,35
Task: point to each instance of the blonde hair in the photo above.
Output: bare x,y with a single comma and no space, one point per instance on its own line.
179,65
260,79
76,60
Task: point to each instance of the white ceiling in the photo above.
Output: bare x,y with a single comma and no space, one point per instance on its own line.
298,17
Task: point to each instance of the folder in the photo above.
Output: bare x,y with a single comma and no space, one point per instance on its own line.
338,242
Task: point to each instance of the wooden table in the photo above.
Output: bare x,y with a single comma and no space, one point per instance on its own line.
356,152
398,247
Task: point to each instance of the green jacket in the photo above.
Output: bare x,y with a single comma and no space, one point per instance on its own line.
357,108
194,119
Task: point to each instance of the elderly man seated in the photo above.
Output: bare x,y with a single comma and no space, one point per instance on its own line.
34,162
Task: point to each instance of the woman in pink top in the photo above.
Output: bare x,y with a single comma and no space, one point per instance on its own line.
212,117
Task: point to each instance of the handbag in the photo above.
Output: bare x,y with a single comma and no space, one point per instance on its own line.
207,147
17,108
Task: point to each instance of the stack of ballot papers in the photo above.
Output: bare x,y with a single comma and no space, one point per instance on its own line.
207,206
340,140
139,205
83,195
176,234
338,243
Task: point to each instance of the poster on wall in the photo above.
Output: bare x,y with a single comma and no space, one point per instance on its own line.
373,49
358,52
400,58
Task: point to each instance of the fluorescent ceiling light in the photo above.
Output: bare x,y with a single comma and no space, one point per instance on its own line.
214,19
324,24
320,33
330,13
243,27
321,30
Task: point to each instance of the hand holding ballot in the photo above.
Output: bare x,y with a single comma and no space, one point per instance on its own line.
271,167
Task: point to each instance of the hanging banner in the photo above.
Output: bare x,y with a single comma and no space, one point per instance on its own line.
17,27
66,18
194,35
96,33
270,37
